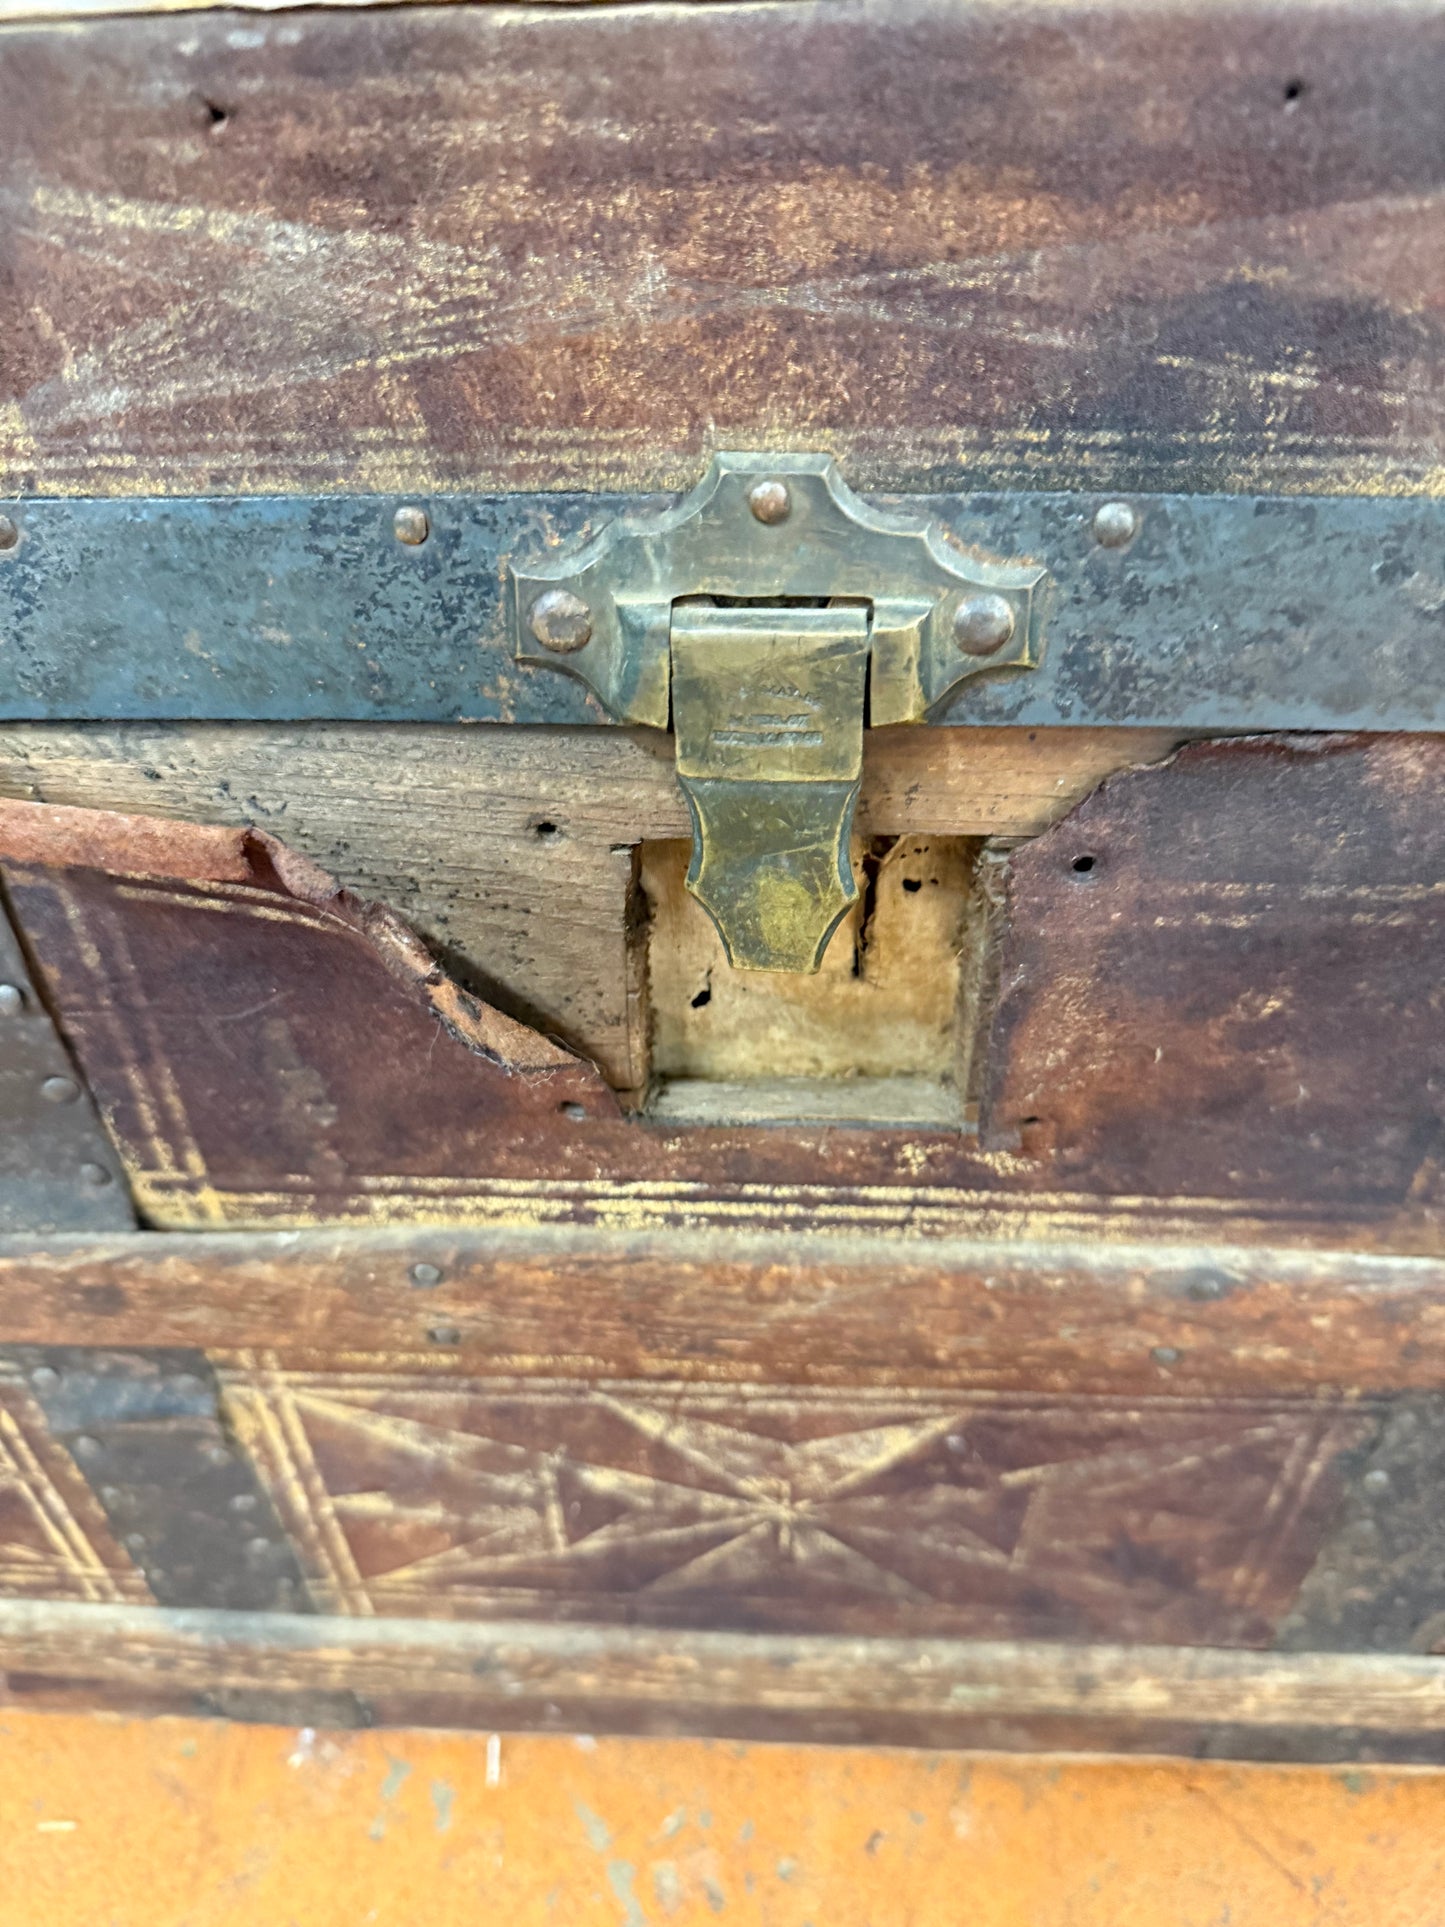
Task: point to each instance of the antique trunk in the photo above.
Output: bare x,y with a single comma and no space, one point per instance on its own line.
723,829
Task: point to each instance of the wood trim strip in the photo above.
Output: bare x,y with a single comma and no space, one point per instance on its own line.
330,1670
1030,1314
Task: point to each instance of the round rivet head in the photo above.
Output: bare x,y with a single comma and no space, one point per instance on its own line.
983,624
770,501
95,1175
9,532
59,1090
12,999
561,621
1115,525
411,525
424,1274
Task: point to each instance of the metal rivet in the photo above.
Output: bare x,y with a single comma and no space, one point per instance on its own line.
244,1502
983,624
1202,1286
577,1112
411,525
444,1335
12,998
59,1090
9,532
95,1175
86,1447
1377,1480
426,1274
770,502
259,1548
1164,1355
135,1542
1115,524
44,1377
561,621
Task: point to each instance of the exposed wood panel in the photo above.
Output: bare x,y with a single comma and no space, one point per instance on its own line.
511,850
933,1692
495,247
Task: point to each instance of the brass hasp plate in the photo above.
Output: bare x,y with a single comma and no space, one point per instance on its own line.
764,617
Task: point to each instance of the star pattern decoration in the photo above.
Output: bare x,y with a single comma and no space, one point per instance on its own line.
664,1502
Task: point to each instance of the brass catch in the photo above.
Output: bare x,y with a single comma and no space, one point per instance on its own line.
764,617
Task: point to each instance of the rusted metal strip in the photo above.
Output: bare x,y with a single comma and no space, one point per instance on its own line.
58,1169
1207,612
145,1429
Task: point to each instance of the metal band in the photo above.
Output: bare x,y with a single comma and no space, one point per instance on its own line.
1190,612
58,1169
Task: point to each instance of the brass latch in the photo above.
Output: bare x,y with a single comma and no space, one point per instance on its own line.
765,617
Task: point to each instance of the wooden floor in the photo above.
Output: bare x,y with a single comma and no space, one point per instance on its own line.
175,1823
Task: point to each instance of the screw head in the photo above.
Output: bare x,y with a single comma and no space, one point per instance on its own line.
59,1090
982,624
12,999
770,501
44,1378
9,532
411,525
561,621
1115,525
425,1275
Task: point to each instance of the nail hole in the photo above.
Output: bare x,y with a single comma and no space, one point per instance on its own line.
546,832
1294,92
1027,1123
704,996
912,884
577,1112
1082,865
217,114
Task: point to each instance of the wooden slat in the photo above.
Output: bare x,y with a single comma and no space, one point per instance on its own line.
324,1670
1023,1313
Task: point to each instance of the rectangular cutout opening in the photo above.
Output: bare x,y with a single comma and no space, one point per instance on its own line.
877,1037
